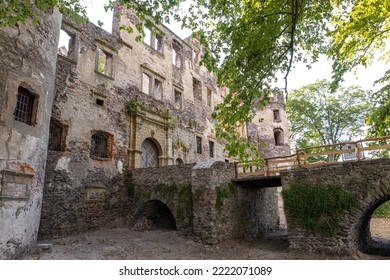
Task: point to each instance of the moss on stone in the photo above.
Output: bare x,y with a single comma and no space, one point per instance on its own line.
317,209
222,194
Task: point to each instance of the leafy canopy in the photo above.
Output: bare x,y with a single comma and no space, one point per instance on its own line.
319,117
249,43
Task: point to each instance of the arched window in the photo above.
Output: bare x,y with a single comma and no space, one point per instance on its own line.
149,156
100,145
179,161
278,136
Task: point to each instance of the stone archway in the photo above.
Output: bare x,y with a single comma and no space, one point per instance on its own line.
150,154
366,242
157,214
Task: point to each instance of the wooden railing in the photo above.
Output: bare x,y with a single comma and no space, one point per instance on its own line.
318,156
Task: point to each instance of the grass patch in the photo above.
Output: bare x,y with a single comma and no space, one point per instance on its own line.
383,211
317,209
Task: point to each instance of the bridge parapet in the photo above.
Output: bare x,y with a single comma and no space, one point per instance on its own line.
370,148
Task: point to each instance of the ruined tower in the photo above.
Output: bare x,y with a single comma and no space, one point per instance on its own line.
28,59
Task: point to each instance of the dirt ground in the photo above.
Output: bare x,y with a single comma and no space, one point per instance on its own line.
125,243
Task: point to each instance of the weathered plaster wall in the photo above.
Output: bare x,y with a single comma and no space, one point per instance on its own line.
368,181
28,59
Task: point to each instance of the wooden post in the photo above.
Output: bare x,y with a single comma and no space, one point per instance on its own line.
357,151
298,159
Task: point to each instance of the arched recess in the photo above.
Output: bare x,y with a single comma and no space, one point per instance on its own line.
151,151
367,243
158,213
278,136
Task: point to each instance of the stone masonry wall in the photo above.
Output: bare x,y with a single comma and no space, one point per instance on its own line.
28,59
367,180
215,209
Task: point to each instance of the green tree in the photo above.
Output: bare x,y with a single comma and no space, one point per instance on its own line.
318,116
249,43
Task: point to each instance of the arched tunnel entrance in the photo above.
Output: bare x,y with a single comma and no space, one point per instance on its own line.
156,215
374,233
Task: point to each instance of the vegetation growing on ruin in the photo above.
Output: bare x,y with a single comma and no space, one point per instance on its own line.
222,194
383,211
317,209
185,204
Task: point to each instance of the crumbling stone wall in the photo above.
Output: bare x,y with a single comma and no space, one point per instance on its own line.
28,59
367,182
213,208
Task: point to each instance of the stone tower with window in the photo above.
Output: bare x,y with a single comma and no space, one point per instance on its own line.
270,128
27,75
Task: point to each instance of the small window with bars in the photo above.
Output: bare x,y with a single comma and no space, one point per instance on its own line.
100,145
25,106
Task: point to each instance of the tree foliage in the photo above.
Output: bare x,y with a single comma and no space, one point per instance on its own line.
250,43
317,116
13,12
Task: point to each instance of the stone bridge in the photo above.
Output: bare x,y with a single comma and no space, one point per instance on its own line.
329,208
201,201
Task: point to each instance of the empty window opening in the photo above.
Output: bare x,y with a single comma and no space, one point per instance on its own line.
158,89
211,149
199,145
177,55
67,44
197,89
100,102
100,145
57,136
149,155
178,99
154,215
147,36
104,62
276,116
25,106
145,83
179,161
209,96
278,136
159,43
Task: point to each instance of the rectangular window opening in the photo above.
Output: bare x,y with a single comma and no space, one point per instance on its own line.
199,145
276,116
197,89
57,136
211,149
25,106
158,89
145,83
99,102
178,100
147,36
159,43
105,62
67,44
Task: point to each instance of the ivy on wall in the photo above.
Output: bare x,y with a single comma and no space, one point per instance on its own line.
317,209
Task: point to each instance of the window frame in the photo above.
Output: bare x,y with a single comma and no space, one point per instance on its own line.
30,110
97,153
198,145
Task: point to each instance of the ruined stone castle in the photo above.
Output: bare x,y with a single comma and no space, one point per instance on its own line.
75,118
